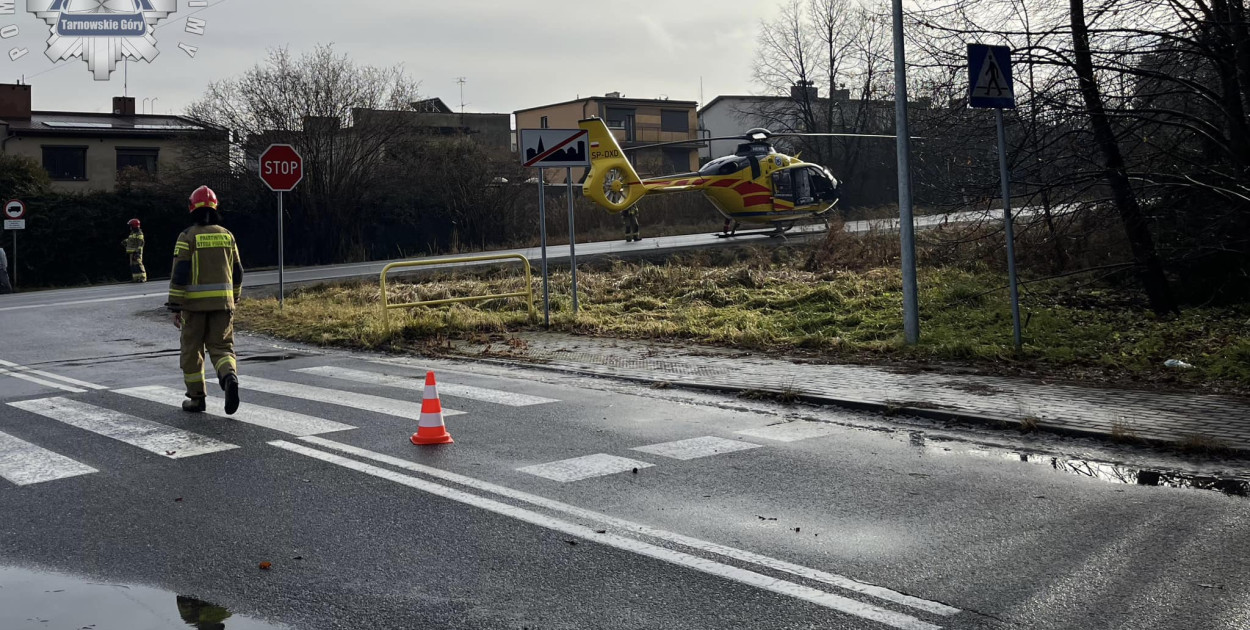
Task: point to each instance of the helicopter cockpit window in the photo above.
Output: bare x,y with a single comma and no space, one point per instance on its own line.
822,185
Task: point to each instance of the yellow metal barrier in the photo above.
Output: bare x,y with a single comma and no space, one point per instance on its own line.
528,293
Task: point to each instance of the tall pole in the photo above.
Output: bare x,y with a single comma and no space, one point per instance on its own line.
907,229
14,260
281,257
568,178
1005,179
542,231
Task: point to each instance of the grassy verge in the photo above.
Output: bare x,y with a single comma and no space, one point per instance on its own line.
766,300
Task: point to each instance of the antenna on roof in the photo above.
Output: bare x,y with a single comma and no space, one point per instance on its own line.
461,81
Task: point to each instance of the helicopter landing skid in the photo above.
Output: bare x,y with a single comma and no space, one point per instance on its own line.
770,233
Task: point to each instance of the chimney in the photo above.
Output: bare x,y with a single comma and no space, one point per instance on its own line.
123,106
804,91
612,95
14,101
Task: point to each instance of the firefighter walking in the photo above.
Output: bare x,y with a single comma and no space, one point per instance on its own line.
134,248
206,283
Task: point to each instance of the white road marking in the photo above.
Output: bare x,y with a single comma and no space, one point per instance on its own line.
791,431
449,389
695,448
378,404
694,543
40,381
578,468
24,463
150,436
288,422
75,302
742,576
14,367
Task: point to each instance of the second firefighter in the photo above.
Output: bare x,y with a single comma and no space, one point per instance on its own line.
134,249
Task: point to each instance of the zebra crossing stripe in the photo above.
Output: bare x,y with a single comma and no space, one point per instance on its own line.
153,437
24,463
280,420
40,381
14,367
365,402
417,384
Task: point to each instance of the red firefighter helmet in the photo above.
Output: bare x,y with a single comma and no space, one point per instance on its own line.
134,223
203,196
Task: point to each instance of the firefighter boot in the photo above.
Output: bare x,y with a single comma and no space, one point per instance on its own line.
230,383
194,405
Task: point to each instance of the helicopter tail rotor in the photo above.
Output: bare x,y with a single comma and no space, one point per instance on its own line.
612,182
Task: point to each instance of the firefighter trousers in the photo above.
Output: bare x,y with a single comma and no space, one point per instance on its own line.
211,330
137,272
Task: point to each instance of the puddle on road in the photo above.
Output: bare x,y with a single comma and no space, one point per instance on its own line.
32,600
1105,471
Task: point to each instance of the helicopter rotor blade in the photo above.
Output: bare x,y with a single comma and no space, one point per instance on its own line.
690,141
797,134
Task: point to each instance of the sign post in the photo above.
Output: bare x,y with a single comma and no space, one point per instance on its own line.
990,87
906,225
281,168
554,148
14,219
568,178
542,239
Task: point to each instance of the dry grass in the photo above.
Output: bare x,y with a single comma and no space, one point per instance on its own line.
1202,445
1122,431
785,299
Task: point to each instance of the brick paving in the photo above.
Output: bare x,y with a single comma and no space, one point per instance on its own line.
1146,414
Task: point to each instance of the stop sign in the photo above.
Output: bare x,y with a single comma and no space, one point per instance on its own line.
281,167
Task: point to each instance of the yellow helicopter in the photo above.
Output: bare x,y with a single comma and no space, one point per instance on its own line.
754,186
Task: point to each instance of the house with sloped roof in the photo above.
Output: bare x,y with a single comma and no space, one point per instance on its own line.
86,151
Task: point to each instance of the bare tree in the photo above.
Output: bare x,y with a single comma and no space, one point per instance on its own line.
333,111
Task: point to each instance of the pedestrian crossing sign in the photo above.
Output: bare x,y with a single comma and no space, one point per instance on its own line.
989,77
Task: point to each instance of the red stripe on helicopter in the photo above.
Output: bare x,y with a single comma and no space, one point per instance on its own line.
756,200
725,183
750,188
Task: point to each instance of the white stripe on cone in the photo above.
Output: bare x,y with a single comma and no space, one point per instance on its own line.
431,419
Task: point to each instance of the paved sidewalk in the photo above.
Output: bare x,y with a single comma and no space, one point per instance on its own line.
1160,417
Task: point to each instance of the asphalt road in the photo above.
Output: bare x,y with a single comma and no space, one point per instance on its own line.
565,502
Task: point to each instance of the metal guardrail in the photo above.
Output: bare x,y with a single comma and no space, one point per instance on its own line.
528,293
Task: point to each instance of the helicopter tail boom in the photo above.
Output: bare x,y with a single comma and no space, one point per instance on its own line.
612,183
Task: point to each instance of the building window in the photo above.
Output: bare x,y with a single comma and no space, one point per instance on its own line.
143,159
675,120
542,122
621,119
677,160
65,163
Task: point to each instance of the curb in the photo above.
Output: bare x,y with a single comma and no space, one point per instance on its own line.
941,415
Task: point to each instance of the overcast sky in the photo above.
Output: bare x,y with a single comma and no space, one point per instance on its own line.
513,54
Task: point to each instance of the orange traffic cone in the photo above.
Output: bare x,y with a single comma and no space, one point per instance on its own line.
430,428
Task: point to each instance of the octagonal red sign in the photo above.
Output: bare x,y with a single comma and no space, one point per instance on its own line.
281,167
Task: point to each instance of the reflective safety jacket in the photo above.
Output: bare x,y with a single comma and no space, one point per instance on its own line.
207,273
134,244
